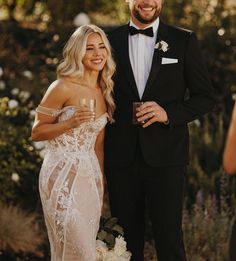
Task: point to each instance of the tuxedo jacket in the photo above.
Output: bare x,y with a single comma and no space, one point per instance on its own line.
182,88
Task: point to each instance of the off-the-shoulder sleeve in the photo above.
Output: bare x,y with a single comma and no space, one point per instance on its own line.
48,111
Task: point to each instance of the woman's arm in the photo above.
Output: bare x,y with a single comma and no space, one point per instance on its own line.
229,158
45,126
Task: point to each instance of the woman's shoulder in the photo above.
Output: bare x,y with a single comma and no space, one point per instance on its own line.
56,92
58,85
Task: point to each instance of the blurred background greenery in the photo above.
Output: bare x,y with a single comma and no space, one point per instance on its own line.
33,34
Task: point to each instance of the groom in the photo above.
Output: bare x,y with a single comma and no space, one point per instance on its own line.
145,164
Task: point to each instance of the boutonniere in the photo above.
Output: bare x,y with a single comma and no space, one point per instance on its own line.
162,46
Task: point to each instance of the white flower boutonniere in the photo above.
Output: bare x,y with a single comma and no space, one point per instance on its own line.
162,46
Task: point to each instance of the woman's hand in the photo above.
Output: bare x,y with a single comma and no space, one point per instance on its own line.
82,115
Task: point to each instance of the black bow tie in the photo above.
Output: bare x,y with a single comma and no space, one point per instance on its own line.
148,31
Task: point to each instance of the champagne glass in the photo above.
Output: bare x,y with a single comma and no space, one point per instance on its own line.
90,104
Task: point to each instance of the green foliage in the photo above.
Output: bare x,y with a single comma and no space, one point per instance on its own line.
56,13
207,228
19,160
205,170
206,148
206,231
109,230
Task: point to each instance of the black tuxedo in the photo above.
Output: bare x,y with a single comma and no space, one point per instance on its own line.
183,89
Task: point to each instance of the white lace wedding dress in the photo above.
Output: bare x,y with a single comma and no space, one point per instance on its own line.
71,190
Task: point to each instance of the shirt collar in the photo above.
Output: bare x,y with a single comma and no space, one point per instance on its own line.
154,25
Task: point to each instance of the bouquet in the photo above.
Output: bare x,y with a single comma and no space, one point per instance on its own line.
111,245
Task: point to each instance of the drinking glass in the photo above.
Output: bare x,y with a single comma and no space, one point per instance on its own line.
88,103
135,106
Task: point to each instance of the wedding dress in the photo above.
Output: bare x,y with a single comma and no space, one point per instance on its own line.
71,189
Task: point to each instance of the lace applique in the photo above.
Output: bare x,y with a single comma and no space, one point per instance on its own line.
59,218
64,200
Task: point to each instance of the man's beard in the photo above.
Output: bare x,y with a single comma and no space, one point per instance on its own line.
144,20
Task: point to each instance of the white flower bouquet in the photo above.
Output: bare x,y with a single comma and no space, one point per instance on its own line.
111,245
118,253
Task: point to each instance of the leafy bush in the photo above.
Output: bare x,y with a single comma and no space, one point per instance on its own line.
19,159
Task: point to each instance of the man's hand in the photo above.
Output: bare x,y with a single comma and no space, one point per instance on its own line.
151,112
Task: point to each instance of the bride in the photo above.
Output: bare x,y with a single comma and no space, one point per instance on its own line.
71,177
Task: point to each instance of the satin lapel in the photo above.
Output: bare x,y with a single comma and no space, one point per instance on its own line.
125,61
156,61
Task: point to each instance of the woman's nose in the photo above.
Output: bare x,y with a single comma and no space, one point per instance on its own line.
96,52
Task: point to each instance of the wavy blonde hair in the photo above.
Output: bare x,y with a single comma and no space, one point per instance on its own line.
72,66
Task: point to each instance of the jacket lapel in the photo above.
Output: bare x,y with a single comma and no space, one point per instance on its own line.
162,34
125,61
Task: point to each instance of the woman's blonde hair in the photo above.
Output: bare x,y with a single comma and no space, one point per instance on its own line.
72,65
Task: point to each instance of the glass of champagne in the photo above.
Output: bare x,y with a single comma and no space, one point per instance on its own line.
90,104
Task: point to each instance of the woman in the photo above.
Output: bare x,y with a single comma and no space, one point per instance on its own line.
230,167
71,177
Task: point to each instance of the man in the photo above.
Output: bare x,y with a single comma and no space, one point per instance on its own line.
146,163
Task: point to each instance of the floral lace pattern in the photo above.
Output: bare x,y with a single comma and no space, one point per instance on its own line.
71,191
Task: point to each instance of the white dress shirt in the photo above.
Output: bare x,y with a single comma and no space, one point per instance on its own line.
141,49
